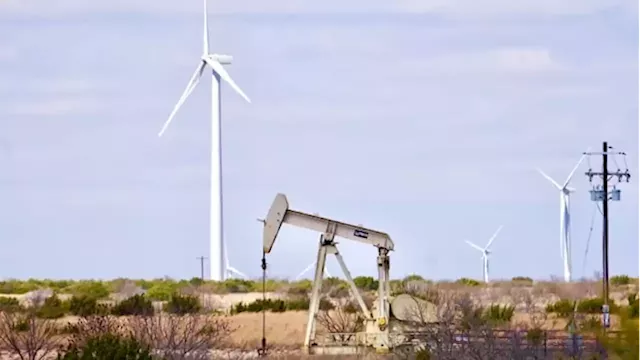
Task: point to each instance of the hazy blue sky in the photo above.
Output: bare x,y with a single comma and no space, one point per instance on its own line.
422,118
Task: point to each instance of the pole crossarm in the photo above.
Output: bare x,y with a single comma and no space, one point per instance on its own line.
622,175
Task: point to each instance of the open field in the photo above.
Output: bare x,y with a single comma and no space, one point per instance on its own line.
529,305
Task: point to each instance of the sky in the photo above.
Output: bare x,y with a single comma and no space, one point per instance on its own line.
425,119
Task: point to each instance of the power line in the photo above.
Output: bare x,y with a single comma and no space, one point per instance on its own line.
586,249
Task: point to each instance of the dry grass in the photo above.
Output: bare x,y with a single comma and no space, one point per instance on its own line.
284,330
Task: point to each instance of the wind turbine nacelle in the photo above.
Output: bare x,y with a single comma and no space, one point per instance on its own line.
222,59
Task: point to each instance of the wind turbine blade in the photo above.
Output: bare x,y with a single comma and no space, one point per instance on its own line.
219,69
474,245
189,89
305,271
206,31
493,237
235,271
550,179
573,171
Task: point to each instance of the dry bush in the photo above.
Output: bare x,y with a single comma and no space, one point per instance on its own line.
93,326
36,298
464,331
25,336
459,320
180,337
537,317
424,291
584,288
340,323
336,291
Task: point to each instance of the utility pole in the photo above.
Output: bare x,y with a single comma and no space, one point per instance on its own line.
202,259
605,224
604,195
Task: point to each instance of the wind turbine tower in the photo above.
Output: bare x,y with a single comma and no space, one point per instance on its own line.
565,218
219,264
485,254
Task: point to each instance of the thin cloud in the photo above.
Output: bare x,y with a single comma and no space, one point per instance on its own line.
54,107
438,7
8,53
512,60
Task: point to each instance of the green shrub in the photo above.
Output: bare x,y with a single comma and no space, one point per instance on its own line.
593,306
535,336
52,308
107,347
86,306
297,304
89,288
302,287
273,305
620,280
423,353
522,279
366,283
334,282
468,282
135,305
9,305
17,287
183,304
565,307
633,307
562,307
624,343
162,291
499,314
239,286
413,277
279,305
472,317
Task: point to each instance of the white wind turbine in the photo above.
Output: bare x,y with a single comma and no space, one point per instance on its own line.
565,220
485,254
215,61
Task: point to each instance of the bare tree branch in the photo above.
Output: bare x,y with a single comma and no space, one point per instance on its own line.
341,324
26,337
181,337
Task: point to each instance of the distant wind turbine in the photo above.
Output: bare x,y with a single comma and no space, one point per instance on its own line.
485,254
214,62
565,220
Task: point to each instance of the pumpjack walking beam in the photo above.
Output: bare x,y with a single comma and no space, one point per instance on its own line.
279,214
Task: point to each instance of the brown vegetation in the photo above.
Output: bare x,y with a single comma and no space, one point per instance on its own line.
463,310
28,337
